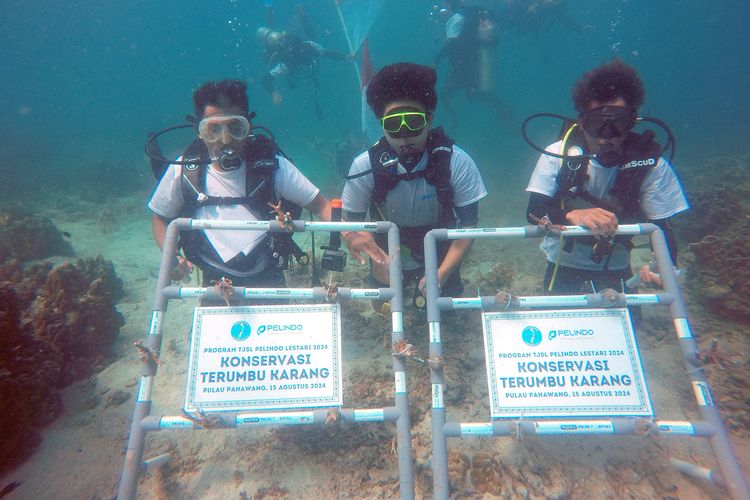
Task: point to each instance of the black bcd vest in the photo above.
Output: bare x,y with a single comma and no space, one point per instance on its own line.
641,154
437,173
259,153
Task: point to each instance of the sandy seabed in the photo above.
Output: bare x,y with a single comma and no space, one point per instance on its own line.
82,453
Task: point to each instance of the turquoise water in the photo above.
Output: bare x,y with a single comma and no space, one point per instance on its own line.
84,81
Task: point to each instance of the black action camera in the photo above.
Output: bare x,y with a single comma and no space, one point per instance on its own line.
333,259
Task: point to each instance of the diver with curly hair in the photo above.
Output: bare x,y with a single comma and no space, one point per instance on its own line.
414,176
599,175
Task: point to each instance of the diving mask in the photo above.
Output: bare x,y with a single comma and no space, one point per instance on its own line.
608,122
404,124
223,128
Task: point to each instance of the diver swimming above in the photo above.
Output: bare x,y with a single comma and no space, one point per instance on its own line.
470,45
296,59
229,173
601,174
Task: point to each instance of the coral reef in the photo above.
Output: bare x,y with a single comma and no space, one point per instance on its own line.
25,236
75,312
718,254
718,272
28,368
50,342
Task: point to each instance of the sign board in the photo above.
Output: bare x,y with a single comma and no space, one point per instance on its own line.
264,357
582,362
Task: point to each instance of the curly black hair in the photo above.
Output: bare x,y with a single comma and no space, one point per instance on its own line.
224,93
607,82
402,81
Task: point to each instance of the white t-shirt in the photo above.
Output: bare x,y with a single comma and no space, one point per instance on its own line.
454,26
661,197
289,183
414,203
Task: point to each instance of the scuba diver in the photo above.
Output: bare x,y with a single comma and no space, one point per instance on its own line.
415,177
470,46
296,59
601,174
231,173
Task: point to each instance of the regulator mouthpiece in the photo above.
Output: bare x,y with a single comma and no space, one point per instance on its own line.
229,159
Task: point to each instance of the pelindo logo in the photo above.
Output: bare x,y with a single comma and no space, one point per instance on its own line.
241,330
278,328
583,332
531,335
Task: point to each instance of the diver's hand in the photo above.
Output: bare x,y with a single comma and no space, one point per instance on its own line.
601,222
276,97
183,270
361,242
649,277
423,282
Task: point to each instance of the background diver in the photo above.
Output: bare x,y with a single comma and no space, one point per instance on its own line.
295,59
470,45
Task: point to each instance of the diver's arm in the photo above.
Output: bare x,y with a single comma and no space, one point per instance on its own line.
359,242
267,82
454,256
468,216
159,229
648,276
666,226
321,207
541,206
599,220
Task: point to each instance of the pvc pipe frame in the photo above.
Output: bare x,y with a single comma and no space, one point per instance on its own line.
712,427
143,422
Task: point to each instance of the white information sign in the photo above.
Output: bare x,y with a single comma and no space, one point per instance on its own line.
564,364
264,357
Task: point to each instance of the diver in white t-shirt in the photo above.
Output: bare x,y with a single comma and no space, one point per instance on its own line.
230,174
599,175
414,176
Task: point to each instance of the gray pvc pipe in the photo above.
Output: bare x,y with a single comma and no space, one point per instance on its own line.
713,426
732,473
403,422
440,480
